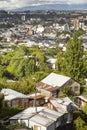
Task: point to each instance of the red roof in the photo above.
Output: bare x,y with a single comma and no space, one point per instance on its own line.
47,87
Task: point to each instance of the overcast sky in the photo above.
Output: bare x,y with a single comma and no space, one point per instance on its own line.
10,4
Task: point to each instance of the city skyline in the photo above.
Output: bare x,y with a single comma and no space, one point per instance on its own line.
13,4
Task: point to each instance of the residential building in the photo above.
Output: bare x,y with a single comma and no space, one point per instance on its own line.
43,119
63,105
36,99
54,83
15,99
51,63
81,100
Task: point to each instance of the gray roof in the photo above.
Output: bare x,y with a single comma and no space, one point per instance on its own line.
27,113
54,79
83,97
52,61
61,104
12,94
44,115
51,114
41,120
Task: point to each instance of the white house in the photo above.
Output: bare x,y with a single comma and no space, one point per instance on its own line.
43,119
14,98
54,83
65,106
51,62
81,100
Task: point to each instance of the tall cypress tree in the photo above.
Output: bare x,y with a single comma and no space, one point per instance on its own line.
74,58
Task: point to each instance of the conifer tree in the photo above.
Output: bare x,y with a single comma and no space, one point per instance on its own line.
74,66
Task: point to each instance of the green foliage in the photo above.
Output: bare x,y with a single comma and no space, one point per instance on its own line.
66,90
21,66
24,86
9,112
83,90
80,120
74,58
85,64
81,32
79,124
85,109
60,59
16,126
2,71
1,101
52,51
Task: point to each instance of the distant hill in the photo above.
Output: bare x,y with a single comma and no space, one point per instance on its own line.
54,7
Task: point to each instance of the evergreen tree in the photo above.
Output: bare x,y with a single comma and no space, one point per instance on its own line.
74,58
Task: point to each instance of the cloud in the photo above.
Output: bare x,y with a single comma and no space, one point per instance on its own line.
10,4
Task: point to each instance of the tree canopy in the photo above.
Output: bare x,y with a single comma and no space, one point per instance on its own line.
74,60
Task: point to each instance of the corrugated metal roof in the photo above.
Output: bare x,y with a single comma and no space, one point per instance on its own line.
52,88
59,107
35,96
83,97
62,104
41,120
55,80
12,94
51,114
44,115
27,113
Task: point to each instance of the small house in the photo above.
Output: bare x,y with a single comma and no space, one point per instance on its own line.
36,99
42,119
81,101
51,63
54,83
65,106
15,99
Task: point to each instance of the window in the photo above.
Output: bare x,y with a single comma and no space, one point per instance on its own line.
76,88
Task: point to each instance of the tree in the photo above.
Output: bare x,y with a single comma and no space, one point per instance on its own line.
85,109
60,59
74,66
67,90
79,124
1,101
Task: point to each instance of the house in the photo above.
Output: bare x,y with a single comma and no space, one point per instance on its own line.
24,116
57,113
36,99
81,101
65,106
54,83
15,99
43,119
46,119
47,90
52,63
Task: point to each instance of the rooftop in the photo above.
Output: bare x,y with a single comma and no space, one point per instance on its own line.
55,80
12,94
83,97
41,120
35,96
27,113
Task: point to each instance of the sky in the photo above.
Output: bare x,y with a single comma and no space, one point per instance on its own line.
12,4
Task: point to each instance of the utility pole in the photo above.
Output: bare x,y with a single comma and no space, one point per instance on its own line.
34,104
